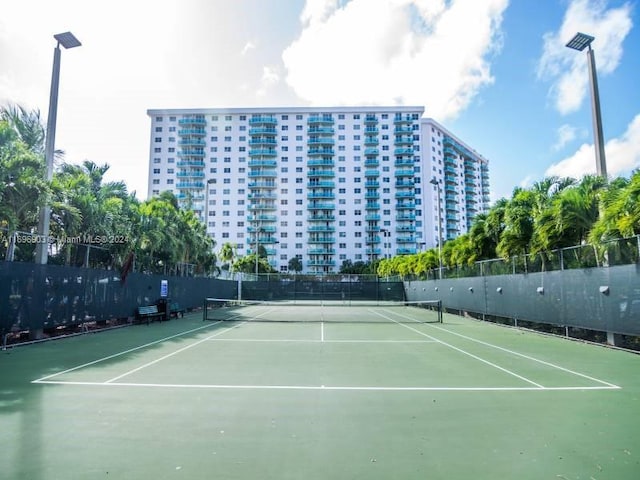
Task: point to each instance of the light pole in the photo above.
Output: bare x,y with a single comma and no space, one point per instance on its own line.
579,42
435,182
67,40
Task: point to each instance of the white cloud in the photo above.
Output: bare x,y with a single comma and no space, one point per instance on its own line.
622,156
270,78
566,68
247,47
566,134
395,52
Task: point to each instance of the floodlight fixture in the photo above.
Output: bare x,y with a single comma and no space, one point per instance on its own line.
580,41
67,40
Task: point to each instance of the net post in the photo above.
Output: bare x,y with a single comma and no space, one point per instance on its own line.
204,310
440,320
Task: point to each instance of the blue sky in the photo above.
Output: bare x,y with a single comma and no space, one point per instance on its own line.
494,72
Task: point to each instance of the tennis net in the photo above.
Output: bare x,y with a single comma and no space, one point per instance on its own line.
224,309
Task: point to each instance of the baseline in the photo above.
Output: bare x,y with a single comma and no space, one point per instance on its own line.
325,387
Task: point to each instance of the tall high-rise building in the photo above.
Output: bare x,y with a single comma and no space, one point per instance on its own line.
322,184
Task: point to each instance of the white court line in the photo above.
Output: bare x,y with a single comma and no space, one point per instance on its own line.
543,362
180,350
329,387
41,380
461,351
322,340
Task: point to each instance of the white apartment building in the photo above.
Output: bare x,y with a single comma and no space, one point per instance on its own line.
323,184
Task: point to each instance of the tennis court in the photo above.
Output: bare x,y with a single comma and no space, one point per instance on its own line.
319,391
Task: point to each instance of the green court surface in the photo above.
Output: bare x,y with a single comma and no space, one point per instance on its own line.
380,399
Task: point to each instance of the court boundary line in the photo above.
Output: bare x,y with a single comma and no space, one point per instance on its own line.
292,340
494,365
175,352
124,352
513,352
326,387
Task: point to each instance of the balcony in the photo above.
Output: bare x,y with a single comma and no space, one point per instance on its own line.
321,184
406,251
405,217
321,228
403,151
198,132
321,218
321,263
263,152
320,141
262,228
372,206
262,206
321,206
371,162
191,174
404,173
190,163
371,131
372,195
372,217
404,162
371,151
321,239
192,121
187,152
263,173
373,251
321,251
263,120
403,140
402,130
320,162
189,185
371,141
321,173
372,228
406,239
372,240
373,173
405,194
262,196
400,119
320,130
321,151
263,163
321,195
267,184
320,120
370,120
263,131
404,183
262,141
371,184
192,142
405,206
262,218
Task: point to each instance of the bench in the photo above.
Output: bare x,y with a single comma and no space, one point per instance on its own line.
148,312
176,309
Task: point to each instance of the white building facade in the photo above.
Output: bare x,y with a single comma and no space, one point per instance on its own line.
322,184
